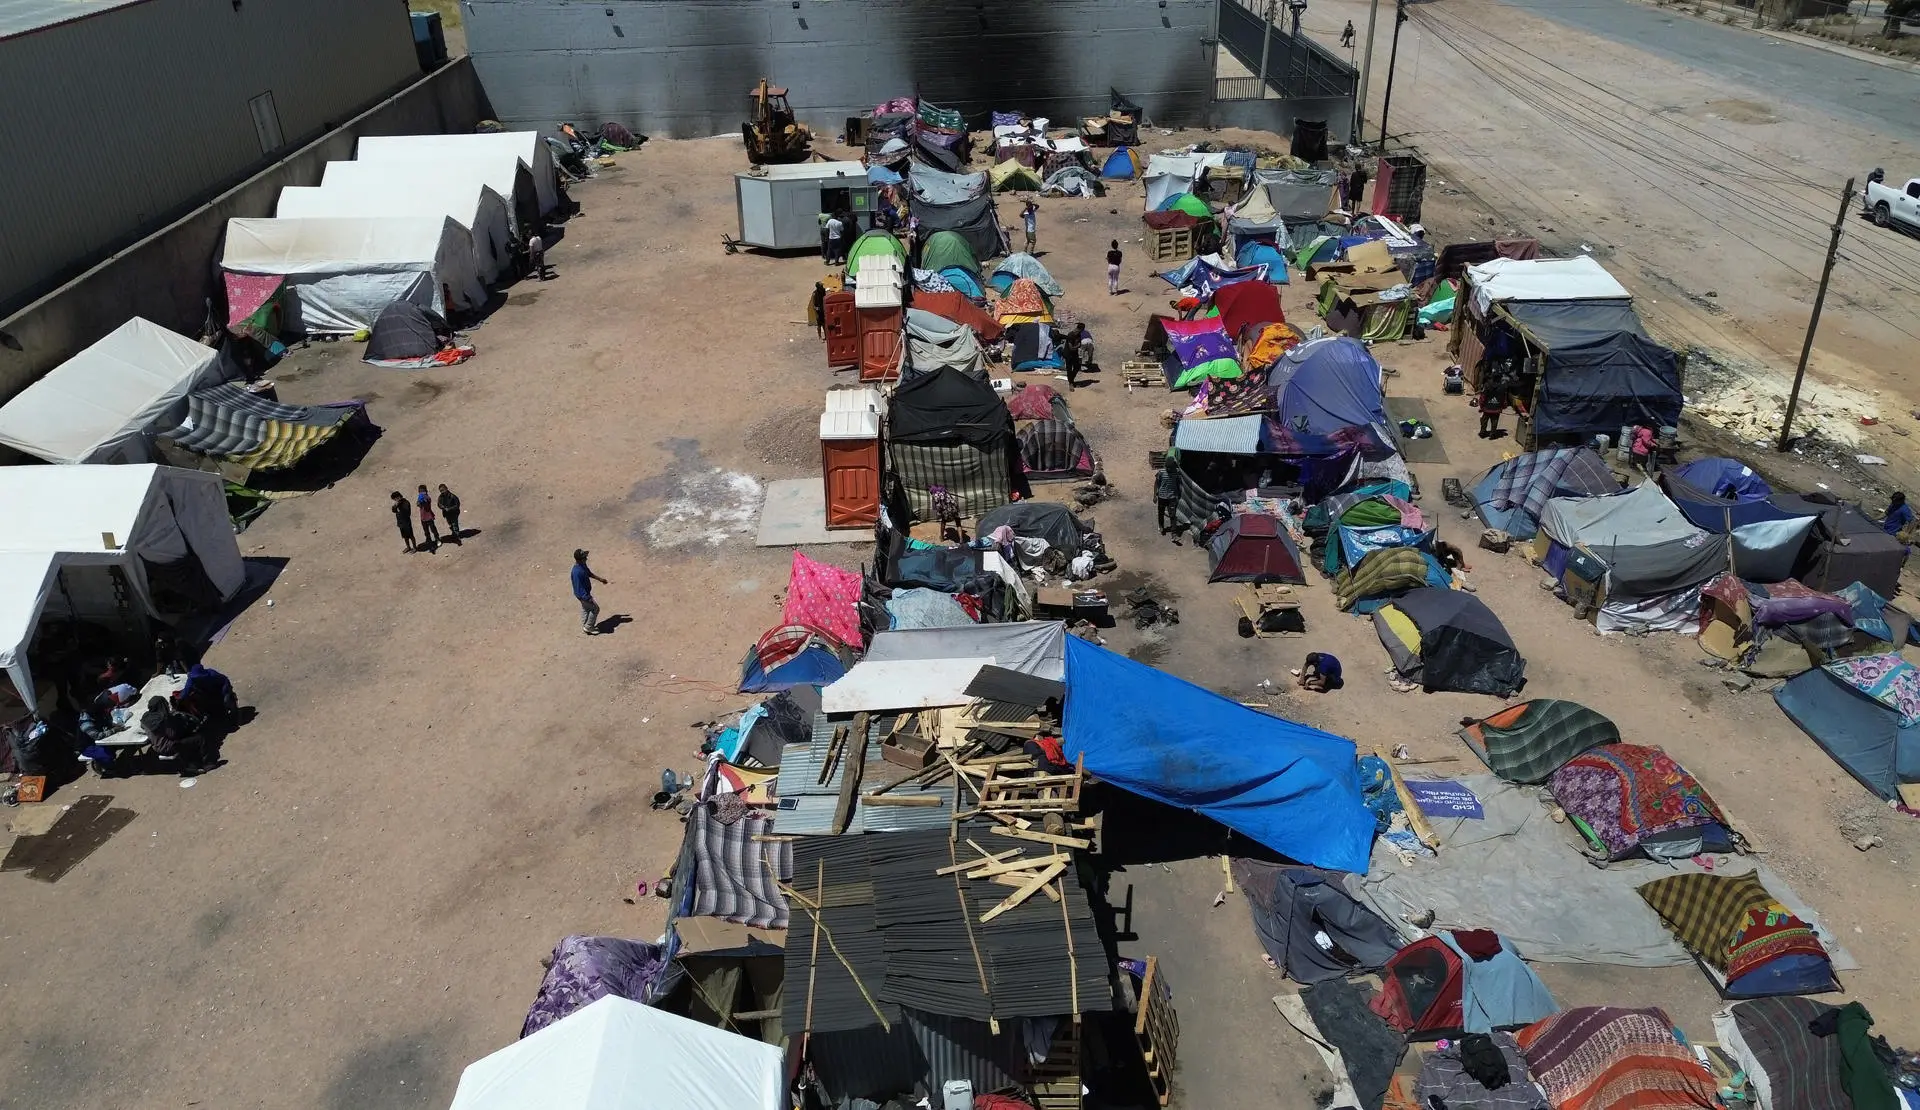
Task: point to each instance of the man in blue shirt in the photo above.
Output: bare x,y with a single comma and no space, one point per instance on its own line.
1899,515
1320,673
583,580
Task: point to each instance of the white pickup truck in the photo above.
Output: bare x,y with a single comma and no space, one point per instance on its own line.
1888,206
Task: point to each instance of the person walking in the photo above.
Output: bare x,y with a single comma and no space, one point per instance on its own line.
450,508
1113,268
537,256
583,580
1356,187
429,527
403,516
1069,347
1030,222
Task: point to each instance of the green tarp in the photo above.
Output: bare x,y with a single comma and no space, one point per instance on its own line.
948,248
1191,205
875,243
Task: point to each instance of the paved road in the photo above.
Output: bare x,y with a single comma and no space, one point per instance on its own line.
1881,97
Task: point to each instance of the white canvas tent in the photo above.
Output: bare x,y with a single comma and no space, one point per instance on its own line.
1169,175
527,146
105,404
341,272
483,212
1542,279
69,527
501,172
616,1054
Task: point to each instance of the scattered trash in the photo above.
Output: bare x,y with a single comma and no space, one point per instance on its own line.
1401,751
187,784
1147,612
1869,460
1220,898
1736,682
1867,843
1423,919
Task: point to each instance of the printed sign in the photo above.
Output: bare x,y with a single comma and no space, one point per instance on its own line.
1442,798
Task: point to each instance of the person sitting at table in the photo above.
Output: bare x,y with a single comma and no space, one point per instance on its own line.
99,718
176,738
209,694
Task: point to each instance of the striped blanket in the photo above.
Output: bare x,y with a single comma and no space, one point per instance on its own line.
733,874
1387,571
1607,1058
227,422
1730,921
1528,742
1789,1067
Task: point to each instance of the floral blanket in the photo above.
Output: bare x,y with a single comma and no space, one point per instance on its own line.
1624,793
1887,679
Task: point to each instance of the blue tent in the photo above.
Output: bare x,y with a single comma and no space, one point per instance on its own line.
1121,165
1259,253
814,666
1330,385
1293,788
964,282
1861,734
1726,479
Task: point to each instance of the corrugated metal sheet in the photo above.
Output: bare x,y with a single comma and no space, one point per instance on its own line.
807,805
683,68
178,114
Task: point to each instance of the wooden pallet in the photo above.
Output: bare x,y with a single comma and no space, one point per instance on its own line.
1156,1026
1171,244
1142,374
1012,789
1055,1082
1274,611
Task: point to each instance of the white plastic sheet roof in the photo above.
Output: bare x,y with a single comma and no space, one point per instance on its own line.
455,195
525,146
616,1054
67,508
324,245
99,405
1543,279
497,173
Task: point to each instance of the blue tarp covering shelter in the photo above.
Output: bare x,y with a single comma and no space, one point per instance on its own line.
1293,788
814,666
1263,254
1860,733
1767,540
963,282
1331,384
1728,479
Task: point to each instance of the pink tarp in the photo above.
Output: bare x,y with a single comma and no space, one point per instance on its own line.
247,292
823,598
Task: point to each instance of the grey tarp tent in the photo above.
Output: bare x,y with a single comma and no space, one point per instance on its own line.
1046,520
406,332
1602,371
974,220
1648,545
935,186
1846,547
935,341
1455,643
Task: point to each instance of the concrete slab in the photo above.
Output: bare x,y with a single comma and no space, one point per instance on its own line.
795,514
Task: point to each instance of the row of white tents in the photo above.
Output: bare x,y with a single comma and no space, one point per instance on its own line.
430,219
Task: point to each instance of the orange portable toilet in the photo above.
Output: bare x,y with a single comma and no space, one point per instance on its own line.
850,456
880,303
843,329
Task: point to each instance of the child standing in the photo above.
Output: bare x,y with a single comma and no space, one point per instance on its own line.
403,517
429,528
450,508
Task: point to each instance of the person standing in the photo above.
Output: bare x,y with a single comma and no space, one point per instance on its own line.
403,516
817,309
1166,495
1082,341
583,580
1642,448
450,508
1069,347
1113,268
1356,187
1493,402
836,230
429,528
537,256
1030,222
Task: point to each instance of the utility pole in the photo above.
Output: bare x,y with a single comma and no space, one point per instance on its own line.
1366,67
1393,56
1266,42
1819,300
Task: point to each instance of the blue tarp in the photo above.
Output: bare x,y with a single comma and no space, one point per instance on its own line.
1860,734
1293,788
1725,478
964,282
1264,254
814,666
1331,384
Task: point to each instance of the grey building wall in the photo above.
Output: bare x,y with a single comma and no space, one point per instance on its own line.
117,122
168,275
683,68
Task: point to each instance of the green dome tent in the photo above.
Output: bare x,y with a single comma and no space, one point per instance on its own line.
1190,204
874,243
948,248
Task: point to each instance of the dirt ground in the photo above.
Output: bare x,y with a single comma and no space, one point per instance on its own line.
446,776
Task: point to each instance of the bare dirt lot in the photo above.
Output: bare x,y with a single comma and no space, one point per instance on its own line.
446,776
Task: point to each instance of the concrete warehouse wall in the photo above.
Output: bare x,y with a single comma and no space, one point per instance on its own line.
116,123
169,276
683,68
1277,116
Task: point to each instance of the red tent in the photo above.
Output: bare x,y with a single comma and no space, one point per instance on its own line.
1248,302
1420,989
956,307
1253,547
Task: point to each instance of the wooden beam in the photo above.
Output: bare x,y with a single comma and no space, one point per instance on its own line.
834,747
1020,864
1017,881
856,762
1045,838
922,800
813,960
971,864
1032,886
